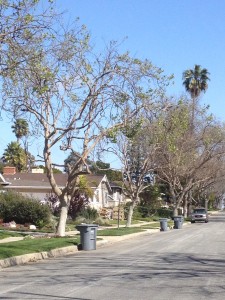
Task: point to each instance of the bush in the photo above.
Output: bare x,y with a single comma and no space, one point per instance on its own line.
164,212
102,222
89,214
22,209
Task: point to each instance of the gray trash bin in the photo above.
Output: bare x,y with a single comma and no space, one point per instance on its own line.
88,236
178,222
163,224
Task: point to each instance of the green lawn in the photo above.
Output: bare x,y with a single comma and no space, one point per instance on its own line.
46,244
119,231
156,225
5,234
35,245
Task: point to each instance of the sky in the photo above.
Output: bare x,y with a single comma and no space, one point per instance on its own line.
173,34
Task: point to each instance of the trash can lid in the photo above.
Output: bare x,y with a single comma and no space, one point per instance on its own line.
83,225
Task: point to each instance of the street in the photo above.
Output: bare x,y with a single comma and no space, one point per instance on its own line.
187,263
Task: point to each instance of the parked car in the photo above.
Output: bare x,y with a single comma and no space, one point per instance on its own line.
199,214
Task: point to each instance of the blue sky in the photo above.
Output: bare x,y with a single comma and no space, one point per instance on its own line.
174,34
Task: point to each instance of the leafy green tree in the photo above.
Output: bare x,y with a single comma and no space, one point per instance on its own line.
187,158
20,128
15,155
102,168
96,168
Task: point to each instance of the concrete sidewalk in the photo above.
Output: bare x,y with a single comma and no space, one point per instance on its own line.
11,239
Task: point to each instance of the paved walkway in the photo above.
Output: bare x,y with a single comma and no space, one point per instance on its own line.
11,239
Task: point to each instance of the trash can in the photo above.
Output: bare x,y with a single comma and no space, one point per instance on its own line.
163,224
178,222
88,236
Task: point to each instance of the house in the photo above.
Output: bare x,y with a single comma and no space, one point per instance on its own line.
36,185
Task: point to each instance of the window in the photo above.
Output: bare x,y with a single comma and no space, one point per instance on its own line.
106,197
97,195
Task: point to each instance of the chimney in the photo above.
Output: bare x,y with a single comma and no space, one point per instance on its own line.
9,171
37,171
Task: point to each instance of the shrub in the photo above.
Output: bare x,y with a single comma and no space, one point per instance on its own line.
102,222
78,203
89,213
23,209
164,212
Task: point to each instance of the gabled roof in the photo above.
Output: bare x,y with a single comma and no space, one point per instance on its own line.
40,180
33,180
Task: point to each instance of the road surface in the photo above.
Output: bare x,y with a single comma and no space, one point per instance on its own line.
179,264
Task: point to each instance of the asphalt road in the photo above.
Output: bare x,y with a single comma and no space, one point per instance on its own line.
187,263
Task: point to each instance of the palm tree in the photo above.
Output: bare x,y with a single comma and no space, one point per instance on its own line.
20,128
195,81
15,155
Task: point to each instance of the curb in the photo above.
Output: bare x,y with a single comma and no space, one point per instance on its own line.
34,257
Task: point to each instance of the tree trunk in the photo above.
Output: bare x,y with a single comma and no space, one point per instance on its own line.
61,227
189,203
130,214
206,203
175,211
185,206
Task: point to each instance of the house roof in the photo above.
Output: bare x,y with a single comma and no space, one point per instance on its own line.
115,184
40,180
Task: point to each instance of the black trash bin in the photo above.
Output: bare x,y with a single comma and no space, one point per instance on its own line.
88,236
178,222
163,224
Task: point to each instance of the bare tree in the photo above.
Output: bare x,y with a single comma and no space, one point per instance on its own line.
135,149
74,97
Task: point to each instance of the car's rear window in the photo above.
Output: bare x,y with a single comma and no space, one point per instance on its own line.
200,211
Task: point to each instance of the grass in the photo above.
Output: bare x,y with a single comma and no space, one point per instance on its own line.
119,231
156,225
35,245
46,244
6,234
123,222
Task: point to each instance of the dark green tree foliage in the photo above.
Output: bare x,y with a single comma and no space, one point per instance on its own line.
96,168
102,168
196,80
149,201
20,128
15,155
21,209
